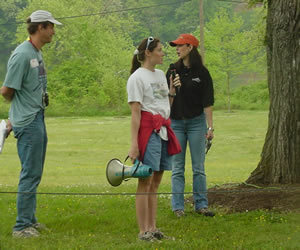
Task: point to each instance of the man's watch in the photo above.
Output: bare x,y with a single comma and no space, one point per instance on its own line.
211,129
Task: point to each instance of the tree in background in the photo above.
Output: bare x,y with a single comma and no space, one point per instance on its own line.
230,51
168,21
280,158
187,16
8,26
157,21
256,36
163,21
90,57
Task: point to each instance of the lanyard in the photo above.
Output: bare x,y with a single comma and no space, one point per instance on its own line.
33,44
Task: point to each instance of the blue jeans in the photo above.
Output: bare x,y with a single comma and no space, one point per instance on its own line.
31,144
192,131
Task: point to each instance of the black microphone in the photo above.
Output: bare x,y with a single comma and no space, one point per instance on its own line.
173,74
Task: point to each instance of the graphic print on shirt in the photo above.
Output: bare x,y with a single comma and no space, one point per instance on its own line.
197,79
160,90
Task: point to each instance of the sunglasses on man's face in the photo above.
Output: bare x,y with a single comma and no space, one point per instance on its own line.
150,40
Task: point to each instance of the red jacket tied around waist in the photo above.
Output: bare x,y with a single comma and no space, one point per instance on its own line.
150,123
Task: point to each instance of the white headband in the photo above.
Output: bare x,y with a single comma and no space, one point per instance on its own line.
136,52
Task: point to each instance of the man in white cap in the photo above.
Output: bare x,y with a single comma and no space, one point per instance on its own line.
25,86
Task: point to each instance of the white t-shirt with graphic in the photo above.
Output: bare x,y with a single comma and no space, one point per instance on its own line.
150,89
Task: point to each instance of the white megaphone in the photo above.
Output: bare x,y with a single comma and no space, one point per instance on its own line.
116,171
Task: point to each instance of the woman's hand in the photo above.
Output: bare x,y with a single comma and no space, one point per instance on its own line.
134,153
209,118
176,83
210,134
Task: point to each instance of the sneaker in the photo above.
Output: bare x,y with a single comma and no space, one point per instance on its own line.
26,233
147,236
40,227
205,212
160,235
179,213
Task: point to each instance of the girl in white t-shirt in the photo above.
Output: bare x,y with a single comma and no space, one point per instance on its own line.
152,139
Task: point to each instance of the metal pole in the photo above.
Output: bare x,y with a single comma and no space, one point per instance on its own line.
201,15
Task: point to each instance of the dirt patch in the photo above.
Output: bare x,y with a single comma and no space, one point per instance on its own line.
241,197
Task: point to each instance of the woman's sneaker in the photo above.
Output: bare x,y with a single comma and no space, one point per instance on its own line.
26,233
40,227
179,213
205,212
160,235
147,236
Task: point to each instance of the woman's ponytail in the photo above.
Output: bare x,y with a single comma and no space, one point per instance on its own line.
135,64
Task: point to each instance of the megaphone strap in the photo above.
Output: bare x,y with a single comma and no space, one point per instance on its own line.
137,166
126,158
123,168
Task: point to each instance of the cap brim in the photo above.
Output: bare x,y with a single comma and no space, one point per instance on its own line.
176,42
54,21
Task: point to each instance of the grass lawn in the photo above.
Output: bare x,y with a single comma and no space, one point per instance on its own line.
78,151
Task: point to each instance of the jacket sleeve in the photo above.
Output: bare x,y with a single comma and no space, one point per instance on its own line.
168,77
208,94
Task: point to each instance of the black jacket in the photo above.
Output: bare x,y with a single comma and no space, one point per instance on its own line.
196,92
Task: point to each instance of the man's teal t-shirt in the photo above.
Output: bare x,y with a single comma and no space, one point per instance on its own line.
26,74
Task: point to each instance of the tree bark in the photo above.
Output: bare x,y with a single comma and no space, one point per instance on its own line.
280,158
228,92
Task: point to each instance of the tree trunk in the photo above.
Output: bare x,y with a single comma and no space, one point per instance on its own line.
280,158
228,93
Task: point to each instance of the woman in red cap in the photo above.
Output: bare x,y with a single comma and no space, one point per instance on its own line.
192,121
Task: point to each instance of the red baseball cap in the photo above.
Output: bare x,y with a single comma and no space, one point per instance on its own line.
185,39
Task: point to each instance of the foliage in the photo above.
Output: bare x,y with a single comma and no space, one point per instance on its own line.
254,2
186,24
8,13
231,51
254,96
168,21
88,72
89,59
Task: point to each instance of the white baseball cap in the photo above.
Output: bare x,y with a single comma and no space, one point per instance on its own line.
40,16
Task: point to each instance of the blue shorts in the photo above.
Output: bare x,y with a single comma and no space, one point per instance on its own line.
156,155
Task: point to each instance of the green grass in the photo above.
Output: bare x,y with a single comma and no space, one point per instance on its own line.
78,151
